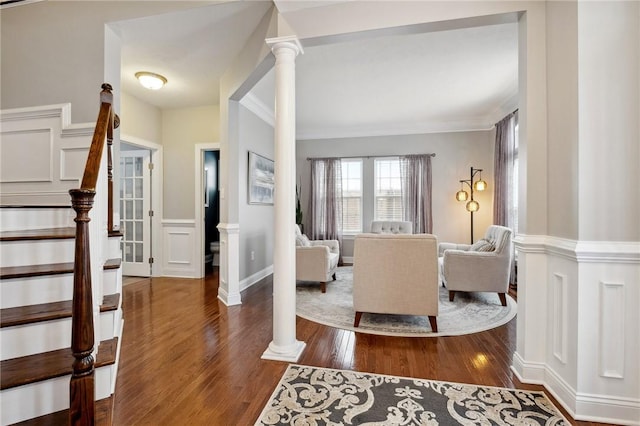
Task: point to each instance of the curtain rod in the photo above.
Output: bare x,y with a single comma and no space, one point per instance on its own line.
371,156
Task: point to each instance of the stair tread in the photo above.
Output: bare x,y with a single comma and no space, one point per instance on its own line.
113,263
9,272
48,365
103,410
48,311
38,234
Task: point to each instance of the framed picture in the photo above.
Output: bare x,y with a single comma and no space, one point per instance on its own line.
261,179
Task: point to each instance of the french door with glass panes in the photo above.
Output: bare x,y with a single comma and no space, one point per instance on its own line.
135,217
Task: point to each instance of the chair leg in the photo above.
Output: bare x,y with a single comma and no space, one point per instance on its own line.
503,299
356,322
323,287
434,323
452,294
334,276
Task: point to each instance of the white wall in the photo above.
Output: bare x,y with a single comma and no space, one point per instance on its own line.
140,119
182,129
256,220
455,154
54,52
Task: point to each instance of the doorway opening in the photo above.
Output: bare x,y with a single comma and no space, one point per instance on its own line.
211,238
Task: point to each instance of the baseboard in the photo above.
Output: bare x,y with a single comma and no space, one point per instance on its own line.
604,409
594,408
347,260
254,278
224,297
528,372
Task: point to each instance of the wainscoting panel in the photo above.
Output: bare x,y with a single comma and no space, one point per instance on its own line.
42,154
72,162
578,300
560,324
179,258
612,329
18,164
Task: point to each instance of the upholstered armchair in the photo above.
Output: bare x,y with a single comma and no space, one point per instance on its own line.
391,227
316,260
482,266
396,274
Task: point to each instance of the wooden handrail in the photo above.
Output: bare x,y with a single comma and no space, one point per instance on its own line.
81,387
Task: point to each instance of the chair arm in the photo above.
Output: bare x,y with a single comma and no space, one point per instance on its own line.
332,245
451,246
312,263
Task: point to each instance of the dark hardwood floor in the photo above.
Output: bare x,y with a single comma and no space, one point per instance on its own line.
187,359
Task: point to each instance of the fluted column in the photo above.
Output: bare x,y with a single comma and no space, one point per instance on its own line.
284,346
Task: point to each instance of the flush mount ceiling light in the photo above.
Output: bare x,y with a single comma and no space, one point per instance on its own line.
151,80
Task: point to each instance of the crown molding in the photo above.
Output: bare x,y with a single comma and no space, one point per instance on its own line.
469,125
259,108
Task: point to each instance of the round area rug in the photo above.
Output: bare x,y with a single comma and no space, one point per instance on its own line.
468,313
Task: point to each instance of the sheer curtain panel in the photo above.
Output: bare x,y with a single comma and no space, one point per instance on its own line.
325,204
504,211
415,172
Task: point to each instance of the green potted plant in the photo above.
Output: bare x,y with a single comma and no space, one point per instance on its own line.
298,209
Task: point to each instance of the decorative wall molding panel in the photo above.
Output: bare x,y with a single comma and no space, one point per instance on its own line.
612,330
178,248
27,179
581,352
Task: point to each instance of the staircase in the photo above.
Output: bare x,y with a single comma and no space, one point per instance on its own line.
56,350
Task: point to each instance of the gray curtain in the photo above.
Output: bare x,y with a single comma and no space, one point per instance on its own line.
504,178
325,204
415,173
503,171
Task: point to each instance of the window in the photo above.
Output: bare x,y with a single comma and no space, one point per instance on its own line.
351,196
388,189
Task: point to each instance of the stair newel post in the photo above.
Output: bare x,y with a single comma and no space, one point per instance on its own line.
82,390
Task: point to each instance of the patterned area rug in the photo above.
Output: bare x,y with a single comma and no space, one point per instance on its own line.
468,313
319,396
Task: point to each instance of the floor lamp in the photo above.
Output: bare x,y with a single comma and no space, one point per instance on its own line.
462,195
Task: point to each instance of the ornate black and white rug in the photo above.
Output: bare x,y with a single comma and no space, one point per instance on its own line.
468,313
321,396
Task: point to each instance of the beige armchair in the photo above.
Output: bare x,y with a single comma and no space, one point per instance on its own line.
396,274
482,266
316,260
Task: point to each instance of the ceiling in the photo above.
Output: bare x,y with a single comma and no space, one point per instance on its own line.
463,79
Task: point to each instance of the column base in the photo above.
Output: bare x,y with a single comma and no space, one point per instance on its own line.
289,353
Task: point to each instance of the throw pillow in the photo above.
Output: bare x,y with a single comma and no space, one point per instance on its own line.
302,241
482,245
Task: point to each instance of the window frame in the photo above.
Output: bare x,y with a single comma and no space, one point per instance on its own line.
376,182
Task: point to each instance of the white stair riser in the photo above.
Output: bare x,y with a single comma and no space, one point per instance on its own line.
110,324
37,399
36,290
42,252
112,281
17,219
113,248
46,336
